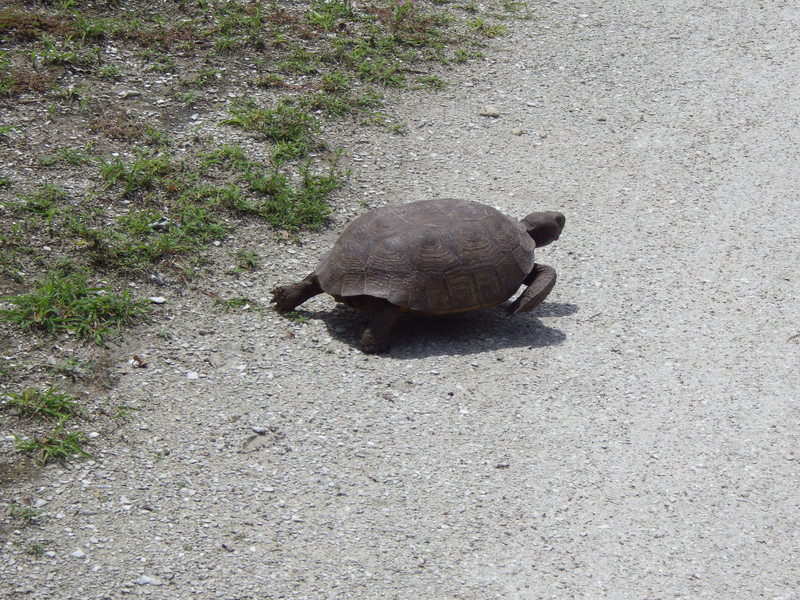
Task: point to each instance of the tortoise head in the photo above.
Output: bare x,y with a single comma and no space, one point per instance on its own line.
544,227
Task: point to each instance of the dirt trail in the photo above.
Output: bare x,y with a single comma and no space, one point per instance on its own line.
636,437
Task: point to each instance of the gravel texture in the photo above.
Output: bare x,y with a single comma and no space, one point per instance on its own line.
636,437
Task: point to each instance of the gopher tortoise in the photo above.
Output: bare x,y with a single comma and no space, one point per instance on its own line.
432,257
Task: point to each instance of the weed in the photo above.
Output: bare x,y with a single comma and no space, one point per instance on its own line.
294,316
24,514
35,549
47,201
228,197
109,72
326,14
203,78
5,132
332,104
431,81
226,43
286,203
462,55
159,62
57,446
95,29
49,403
233,156
513,6
155,138
11,267
143,237
186,98
336,82
370,98
290,127
123,412
293,208
300,61
141,173
485,28
5,367
247,260
270,80
70,156
382,120
68,304
64,53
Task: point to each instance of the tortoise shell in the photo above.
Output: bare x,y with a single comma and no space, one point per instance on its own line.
433,257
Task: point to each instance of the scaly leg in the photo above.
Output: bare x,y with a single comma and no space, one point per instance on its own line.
540,282
377,335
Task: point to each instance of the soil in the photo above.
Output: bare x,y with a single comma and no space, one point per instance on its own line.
635,437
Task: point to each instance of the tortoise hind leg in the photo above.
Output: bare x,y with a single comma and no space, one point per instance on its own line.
377,335
287,297
540,283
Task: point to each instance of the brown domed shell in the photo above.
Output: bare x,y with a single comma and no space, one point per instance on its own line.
434,256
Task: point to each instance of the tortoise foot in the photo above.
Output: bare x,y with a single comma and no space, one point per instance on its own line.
377,335
285,297
370,345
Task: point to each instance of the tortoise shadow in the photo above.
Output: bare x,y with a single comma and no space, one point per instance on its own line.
458,334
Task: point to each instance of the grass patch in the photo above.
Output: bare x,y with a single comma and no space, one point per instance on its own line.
285,202
145,237
35,549
140,174
68,304
246,260
56,446
24,514
294,316
289,207
50,403
291,128
68,156
236,303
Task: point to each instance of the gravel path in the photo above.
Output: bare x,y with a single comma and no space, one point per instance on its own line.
635,438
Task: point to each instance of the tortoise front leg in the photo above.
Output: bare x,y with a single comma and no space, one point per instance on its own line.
540,282
287,297
377,335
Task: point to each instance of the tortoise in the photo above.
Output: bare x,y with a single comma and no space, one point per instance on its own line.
431,257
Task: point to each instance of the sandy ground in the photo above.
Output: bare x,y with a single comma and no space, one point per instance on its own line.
634,438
